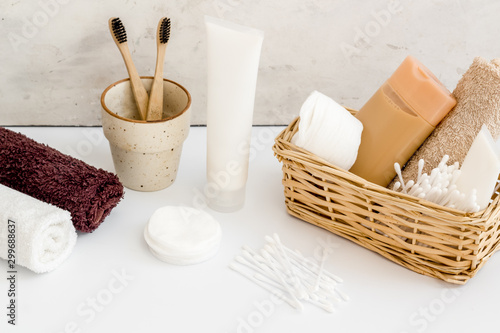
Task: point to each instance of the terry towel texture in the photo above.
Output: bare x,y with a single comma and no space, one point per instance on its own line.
44,234
46,174
478,103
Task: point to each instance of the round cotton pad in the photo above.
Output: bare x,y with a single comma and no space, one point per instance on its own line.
182,235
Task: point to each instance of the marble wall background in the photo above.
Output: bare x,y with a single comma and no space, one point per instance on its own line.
56,56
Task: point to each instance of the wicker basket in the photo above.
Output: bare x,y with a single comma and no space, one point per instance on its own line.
422,236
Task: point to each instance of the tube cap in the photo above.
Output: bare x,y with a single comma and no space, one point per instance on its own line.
422,91
228,201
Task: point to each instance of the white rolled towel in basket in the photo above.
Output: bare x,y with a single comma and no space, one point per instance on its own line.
41,235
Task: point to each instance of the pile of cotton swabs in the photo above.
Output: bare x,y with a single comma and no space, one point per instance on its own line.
438,187
289,275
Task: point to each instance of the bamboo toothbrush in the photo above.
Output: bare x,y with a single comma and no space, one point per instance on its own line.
155,107
120,36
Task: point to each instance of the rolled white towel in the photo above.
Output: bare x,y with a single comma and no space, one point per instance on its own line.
328,130
44,234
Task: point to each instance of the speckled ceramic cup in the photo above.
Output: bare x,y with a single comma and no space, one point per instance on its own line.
145,154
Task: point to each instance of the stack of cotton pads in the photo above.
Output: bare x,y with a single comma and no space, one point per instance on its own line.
182,235
329,131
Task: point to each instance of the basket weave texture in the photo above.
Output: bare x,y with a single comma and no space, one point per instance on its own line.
427,238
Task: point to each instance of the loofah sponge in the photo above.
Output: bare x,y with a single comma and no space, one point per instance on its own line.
46,174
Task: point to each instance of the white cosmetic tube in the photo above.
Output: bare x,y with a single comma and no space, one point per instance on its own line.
233,62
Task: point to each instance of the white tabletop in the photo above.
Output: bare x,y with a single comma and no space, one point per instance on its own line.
112,283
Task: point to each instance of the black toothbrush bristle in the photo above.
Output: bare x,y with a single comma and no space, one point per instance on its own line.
164,33
119,30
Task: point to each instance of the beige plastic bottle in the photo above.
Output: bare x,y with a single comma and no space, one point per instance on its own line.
398,118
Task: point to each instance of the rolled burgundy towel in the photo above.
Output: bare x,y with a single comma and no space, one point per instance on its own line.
46,174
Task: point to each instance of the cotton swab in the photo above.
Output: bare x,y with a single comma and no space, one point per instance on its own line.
439,186
322,265
420,169
397,167
302,261
291,291
261,284
290,275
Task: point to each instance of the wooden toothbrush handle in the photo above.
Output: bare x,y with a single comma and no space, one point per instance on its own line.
155,107
140,93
